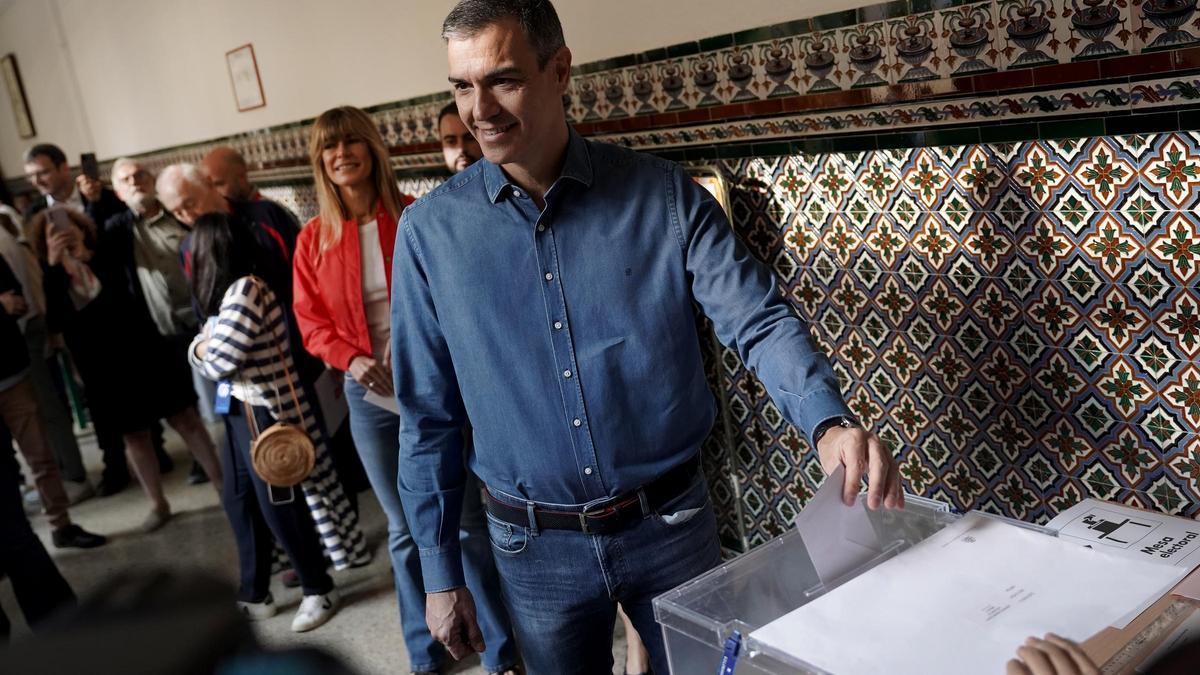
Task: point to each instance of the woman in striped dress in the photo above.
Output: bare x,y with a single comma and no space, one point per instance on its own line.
245,342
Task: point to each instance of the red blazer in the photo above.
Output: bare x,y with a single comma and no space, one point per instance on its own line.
327,293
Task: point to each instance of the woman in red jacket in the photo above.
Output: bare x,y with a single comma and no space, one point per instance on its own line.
343,267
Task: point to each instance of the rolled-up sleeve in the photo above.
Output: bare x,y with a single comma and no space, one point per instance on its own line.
432,418
748,311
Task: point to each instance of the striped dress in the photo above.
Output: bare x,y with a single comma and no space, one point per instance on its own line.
244,348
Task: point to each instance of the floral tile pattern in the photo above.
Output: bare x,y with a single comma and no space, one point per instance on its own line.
1021,323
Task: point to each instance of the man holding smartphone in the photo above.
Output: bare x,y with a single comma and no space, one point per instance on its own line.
47,169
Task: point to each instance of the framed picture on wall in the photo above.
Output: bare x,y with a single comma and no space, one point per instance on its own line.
243,73
16,96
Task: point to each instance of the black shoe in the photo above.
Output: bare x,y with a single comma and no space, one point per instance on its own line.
110,486
74,536
197,476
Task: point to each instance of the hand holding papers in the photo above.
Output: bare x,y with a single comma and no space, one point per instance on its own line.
388,403
839,538
961,600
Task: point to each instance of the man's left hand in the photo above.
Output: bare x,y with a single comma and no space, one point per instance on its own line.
861,451
89,187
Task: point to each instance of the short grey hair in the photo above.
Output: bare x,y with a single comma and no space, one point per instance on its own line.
537,18
186,172
118,164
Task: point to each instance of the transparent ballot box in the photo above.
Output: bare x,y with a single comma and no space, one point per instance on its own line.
758,587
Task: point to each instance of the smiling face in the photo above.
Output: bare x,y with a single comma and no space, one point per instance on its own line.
513,107
347,162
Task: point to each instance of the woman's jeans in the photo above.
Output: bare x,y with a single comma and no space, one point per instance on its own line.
377,434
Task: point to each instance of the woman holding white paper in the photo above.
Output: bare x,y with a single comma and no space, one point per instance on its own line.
342,291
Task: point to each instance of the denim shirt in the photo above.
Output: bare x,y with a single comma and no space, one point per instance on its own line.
567,337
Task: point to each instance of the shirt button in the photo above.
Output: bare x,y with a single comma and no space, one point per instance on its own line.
549,276
557,325
587,470
577,422
567,374
516,193
541,228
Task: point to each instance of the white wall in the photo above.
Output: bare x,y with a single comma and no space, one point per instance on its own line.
151,73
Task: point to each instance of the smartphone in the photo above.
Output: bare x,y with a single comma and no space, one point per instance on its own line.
89,166
60,220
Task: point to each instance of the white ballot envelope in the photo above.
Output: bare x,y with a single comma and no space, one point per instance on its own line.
839,538
962,601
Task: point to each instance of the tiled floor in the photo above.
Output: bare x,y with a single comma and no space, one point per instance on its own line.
365,633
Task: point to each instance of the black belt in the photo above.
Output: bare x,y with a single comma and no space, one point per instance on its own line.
613,515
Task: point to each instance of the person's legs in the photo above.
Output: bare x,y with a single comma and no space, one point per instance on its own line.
556,589
377,435
104,411
165,463
637,659
37,583
484,582
188,424
140,453
18,405
291,523
59,427
115,475
241,508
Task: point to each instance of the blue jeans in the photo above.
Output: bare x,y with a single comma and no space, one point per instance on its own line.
376,432
562,587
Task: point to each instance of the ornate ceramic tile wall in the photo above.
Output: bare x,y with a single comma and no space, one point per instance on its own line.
1021,322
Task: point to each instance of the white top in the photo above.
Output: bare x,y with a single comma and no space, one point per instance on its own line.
374,287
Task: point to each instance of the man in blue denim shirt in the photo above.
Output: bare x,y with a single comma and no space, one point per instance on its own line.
546,293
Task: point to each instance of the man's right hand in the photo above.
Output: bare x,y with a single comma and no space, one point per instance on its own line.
14,303
371,374
450,616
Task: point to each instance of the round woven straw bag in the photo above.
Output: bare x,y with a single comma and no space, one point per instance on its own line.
283,455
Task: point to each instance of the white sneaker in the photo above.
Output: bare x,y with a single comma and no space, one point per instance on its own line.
315,610
258,611
31,499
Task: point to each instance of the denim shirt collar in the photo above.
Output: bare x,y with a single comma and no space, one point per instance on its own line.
577,167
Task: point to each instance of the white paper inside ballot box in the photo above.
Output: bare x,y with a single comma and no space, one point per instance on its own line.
962,601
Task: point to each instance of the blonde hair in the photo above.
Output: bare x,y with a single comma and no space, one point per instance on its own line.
342,124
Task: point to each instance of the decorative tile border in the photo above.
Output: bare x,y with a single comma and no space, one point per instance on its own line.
991,57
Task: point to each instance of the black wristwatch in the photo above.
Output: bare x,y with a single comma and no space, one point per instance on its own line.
839,421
